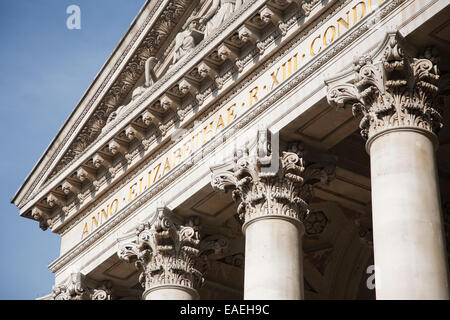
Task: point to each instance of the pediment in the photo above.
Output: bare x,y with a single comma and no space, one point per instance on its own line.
152,34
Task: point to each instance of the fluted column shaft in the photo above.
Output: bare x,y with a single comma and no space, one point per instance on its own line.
395,95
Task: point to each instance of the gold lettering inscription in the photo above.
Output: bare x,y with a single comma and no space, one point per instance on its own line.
132,191
220,123
332,35
157,170
140,185
313,53
94,220
295,62
230,112
187,149
104,214
274,76
253,96
166,166
116,207
149,178
177,155
355,11
208,129
85,231
344,23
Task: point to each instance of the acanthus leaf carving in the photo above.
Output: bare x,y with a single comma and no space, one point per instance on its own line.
76,288
165,251
262,190
391,90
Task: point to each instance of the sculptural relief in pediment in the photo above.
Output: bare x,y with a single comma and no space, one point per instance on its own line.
205,18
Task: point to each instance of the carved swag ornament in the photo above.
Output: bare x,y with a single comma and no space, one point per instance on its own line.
391,89
282,191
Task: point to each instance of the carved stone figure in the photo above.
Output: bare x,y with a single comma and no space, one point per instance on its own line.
114,114
219,11
150,76
187,39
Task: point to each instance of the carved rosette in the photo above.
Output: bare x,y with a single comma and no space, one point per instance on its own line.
390,90
166,252
261,191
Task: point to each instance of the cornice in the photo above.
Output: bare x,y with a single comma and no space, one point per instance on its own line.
296,79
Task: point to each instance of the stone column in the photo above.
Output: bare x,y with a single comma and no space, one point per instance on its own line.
167,253
273,204
395,95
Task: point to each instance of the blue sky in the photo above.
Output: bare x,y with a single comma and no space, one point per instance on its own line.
45,68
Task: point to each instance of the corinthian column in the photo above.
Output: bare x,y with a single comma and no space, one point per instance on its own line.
167,253
273,205
394,94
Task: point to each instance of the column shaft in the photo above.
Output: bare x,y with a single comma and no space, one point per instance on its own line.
170,293
273,260
408,244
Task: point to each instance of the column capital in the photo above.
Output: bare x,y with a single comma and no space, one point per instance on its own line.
76,288
166,251
272,189
393,88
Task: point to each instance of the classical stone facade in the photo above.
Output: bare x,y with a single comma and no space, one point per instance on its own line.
218,156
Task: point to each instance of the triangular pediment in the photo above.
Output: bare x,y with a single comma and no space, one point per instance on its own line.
152,34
